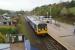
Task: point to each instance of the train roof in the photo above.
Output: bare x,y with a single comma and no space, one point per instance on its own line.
35,20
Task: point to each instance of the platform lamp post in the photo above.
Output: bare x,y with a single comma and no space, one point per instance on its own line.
47,14
50,14
34,12
74,28
50,9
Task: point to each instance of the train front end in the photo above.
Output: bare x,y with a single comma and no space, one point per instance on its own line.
42,29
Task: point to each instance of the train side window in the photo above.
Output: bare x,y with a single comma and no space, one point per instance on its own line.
35,27
42,26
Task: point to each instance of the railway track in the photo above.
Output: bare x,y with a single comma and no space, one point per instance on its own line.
48,43
51,44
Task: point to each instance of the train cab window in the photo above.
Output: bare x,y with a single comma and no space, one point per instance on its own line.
42,26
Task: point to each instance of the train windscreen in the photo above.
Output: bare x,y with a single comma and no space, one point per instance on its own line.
42,26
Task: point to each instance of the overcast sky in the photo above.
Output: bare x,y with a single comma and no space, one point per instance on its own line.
24,4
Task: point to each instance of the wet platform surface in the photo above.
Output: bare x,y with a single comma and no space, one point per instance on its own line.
63,34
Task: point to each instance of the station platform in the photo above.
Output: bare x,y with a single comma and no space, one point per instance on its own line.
63,35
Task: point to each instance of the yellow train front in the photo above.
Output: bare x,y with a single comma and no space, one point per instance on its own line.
41,29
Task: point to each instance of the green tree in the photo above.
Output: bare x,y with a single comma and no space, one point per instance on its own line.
65,11
72,4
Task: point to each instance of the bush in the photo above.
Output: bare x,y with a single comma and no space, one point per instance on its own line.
8,30
2,38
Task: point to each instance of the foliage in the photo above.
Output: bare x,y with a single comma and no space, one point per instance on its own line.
2,38
72,10
4,11
55,10
64,12
8,30
21,25
72,4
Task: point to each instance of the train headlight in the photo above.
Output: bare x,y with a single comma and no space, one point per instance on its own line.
39,30
46,29
42,29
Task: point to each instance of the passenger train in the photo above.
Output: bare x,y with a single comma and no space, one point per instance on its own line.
38,26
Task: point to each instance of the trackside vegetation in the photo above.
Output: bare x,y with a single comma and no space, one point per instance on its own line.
21,25
6,30
64,12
